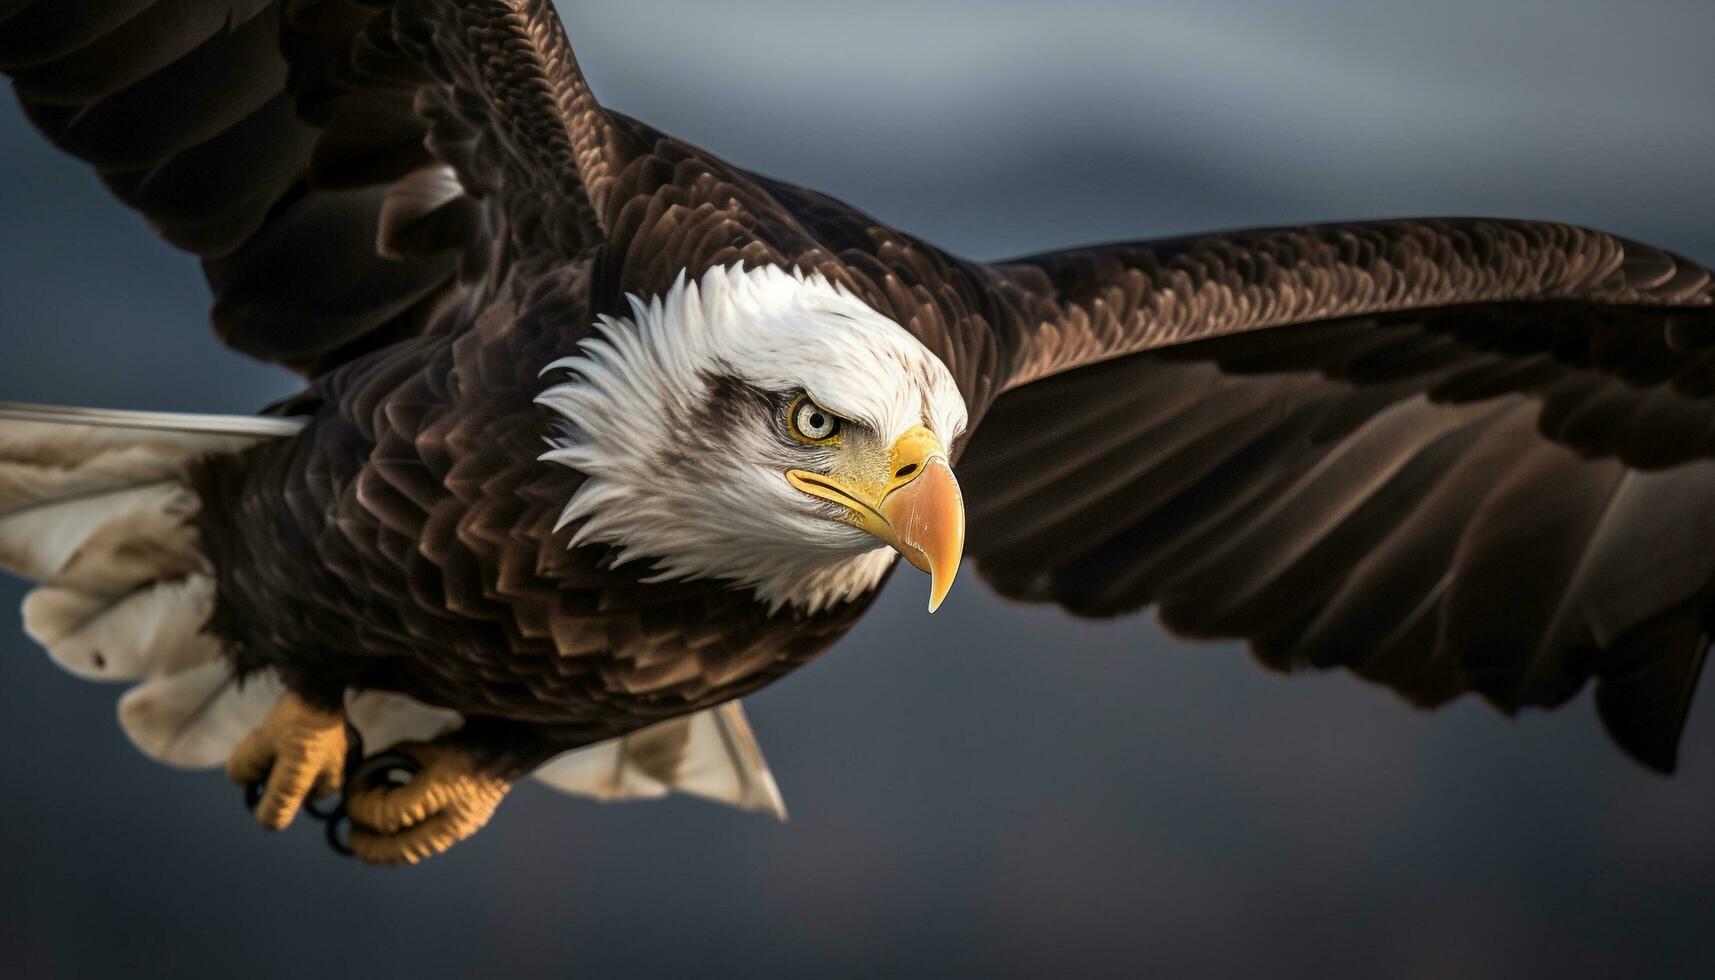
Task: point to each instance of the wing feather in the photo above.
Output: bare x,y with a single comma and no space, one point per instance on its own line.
1450,455
267,136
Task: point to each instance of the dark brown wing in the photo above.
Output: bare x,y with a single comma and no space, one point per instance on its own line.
336,163
1448,455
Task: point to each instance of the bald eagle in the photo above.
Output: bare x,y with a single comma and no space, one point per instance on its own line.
600,433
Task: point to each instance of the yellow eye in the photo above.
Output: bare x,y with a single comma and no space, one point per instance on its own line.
811,423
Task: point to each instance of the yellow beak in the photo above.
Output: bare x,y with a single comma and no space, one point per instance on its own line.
916,508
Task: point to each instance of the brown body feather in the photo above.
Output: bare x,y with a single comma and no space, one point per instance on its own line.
406,542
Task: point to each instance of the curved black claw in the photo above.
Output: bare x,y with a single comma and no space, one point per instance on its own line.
384,767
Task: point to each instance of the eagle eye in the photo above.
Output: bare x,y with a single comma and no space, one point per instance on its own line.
812,424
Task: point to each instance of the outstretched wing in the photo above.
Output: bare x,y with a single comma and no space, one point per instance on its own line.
1451,456
348,170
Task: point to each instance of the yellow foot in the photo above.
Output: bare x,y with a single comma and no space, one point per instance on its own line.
448,799
299,750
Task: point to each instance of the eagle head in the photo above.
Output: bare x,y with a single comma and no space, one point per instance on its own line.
764,427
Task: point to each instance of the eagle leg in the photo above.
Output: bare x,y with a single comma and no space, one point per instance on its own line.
297,753
450,797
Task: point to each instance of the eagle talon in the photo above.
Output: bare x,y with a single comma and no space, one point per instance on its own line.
298,753
447,798
379,771
332,812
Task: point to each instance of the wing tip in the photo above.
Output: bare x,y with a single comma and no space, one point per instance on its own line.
1645,708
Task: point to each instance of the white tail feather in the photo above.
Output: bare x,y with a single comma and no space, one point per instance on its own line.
711,754
95,505
195,718
385,719
106,425
149,632
46,540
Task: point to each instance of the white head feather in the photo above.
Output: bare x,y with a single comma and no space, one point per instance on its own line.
687,471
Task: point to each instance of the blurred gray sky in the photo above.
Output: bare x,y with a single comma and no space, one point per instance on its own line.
995,790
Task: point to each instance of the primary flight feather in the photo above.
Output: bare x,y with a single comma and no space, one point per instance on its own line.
600,433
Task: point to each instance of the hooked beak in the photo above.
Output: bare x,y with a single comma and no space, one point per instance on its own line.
916,509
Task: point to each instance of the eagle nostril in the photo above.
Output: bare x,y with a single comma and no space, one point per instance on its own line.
906,470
